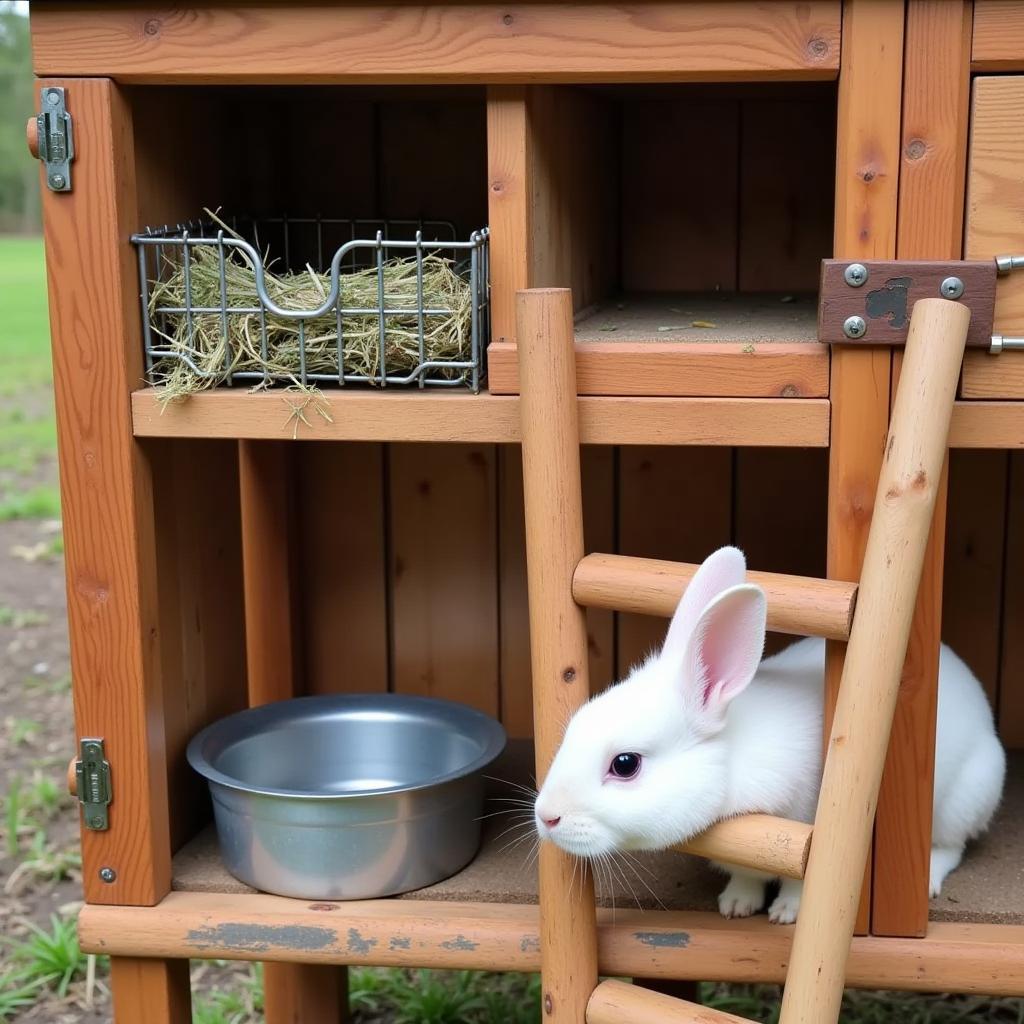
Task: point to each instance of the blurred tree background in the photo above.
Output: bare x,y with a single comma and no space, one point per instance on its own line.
19,173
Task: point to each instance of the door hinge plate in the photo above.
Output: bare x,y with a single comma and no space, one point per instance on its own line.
55,138
92,782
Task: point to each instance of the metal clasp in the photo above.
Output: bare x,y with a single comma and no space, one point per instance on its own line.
92,783
55,139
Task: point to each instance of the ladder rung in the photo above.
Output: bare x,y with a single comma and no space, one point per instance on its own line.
801,605
615,1002
777,846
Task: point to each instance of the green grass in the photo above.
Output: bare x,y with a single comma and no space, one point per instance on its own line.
24,321
51,959
27,438
42,502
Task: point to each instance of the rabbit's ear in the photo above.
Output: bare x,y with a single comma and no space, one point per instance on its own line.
720,571
724,650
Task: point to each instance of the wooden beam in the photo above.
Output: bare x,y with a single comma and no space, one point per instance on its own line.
475,42
986,959
682,369
759,841
998,43
650,586
936,79
867,173
905,499
155,991
987,425
429,416
106,494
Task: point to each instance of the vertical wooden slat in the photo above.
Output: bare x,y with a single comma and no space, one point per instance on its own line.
1011,690
293,993
202,631
597,468
787,171
674,503
931,207
780,501
154,991
443,508
867,172
972,595
340,525
106,493
509,202
679,211
554,544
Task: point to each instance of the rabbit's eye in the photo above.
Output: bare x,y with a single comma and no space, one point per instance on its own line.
625,766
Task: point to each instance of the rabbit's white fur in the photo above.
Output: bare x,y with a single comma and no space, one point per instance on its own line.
720,735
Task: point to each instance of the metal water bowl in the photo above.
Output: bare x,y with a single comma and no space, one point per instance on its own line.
350,796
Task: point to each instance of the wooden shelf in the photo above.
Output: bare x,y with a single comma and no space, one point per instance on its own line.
758,346
431,416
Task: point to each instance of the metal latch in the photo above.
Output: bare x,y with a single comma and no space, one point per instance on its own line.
92,784
55,139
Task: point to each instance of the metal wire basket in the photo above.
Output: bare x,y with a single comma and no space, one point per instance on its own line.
241,322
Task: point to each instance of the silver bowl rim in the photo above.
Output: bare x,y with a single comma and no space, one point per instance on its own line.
247,722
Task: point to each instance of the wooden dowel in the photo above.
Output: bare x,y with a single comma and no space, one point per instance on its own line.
615,1002
558,632
649,586
759,841
893,560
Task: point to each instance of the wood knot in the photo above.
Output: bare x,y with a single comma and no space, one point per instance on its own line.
790,391
549,1004
507,19
569,675
920,480
916,148
818,48
152,27
497,187
324,907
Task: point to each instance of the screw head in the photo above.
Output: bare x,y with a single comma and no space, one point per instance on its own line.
855,275
57,180
53,97
108,875
855,327
951,288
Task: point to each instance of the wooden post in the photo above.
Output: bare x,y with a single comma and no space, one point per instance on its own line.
905,498
293,993
154,991
615,1002
558,632
867,173
935,94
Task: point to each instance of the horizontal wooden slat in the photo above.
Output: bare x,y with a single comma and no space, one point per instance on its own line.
989,376
683,369
650,944
616,1002
431,416
759,841
650,586
998,42
987,425
473,42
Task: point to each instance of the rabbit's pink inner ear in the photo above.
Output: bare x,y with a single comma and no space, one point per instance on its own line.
727,645
721,570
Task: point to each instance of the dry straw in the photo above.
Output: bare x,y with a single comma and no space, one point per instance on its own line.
219,346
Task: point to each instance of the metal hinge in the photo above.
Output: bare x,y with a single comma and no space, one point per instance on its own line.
55,139
92,783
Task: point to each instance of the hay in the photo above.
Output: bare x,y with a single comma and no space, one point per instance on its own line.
219,347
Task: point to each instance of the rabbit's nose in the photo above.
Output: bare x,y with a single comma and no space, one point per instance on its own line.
551,822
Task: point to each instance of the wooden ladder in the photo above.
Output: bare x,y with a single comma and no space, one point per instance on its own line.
562,581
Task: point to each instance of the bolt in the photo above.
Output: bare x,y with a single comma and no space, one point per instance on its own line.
855,275
53,97
951,288
57,180
854,327
95,823
507,19
108,875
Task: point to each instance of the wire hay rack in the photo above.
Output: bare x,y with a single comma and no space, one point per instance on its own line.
399,303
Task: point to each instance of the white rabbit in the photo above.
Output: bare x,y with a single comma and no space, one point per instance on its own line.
700,732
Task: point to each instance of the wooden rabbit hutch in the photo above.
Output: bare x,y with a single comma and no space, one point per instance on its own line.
684,168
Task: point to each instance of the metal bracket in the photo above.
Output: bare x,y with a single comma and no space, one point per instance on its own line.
869,302
55,138
92,782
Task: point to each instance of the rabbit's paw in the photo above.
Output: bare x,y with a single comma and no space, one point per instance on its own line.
784,908
741,897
